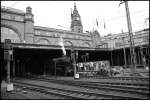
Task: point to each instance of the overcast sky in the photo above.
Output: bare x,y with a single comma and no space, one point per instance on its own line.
54,13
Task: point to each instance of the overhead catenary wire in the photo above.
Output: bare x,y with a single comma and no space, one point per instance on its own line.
118,11
116,18
120,17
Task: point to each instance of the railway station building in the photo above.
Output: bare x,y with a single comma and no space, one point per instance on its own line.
35,47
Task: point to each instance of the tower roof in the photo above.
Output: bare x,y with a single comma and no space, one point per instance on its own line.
76,24
75,11
75,7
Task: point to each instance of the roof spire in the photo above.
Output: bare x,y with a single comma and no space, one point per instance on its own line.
75,6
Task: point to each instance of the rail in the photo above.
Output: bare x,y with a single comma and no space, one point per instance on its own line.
139,91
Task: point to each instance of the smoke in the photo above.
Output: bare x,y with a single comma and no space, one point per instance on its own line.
62,45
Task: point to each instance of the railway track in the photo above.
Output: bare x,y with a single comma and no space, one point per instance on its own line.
122,88
118,78
44,90
72,93
141,92
123,82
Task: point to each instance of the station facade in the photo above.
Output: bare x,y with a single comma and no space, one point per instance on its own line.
35,46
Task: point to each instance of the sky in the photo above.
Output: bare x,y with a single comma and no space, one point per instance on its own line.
57,14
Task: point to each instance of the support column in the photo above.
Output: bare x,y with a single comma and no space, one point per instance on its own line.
117,59
55,68
44,70
129,60
140,61
18,67
125,62
141,52
137,55
112,57
8,71
22,68
13,68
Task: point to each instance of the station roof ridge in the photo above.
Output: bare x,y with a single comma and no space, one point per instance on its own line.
60,30
47,28
10,9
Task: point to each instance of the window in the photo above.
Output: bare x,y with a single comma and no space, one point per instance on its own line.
79,30
86,44
43,41
37,32
68,43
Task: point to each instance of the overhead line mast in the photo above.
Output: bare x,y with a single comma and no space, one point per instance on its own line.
132,52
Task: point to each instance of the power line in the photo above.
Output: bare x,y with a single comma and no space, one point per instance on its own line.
14,4
116,18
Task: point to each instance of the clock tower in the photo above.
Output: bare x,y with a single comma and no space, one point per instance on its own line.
76,25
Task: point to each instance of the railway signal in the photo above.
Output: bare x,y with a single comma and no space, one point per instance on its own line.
8,55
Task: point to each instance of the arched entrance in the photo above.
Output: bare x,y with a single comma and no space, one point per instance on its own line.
8,33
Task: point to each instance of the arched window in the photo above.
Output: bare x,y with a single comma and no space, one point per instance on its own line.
43,41
7,33
68,43
86,44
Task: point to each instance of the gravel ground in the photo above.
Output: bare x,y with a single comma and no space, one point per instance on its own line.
21,94
18,93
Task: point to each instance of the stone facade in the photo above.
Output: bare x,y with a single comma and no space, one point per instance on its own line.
19,27
52,36
14,20
121,40
22,24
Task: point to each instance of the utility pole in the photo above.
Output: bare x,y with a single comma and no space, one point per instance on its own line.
132,53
